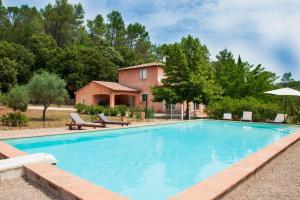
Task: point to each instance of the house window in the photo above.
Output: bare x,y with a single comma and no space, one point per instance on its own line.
144,97
143,74
83,100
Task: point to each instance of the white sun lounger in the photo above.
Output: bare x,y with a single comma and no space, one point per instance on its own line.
247,116
19,161
227,116
13,167
280,118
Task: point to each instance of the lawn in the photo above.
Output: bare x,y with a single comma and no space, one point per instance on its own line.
54,118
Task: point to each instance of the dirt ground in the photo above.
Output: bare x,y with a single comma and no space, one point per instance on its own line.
278,180
21,189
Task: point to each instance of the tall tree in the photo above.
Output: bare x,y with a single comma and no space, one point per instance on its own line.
229,74
63,20
116,31
188,72
240,79
137,34
24,59
97,28
259,80
80,64
24,22
138,44
45,49
8,75
4,23
286,78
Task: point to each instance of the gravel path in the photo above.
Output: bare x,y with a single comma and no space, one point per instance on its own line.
278,180
20,189
62,108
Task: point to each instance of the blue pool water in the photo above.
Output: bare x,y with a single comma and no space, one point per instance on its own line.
155,162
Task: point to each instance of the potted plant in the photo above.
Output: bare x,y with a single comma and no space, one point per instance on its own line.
143,115
123,112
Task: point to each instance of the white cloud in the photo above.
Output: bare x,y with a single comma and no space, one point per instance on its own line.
252,28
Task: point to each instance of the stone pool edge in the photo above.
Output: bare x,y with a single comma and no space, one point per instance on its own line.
217,186
76,131
57,181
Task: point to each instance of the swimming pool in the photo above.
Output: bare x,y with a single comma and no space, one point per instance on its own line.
155,162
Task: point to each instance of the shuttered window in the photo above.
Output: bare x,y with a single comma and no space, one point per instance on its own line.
143,74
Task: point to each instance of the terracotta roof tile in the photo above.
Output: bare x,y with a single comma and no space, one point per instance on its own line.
153,64
115,86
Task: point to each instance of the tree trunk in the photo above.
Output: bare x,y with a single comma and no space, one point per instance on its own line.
187,109
44,113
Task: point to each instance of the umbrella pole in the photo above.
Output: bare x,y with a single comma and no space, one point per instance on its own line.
285,104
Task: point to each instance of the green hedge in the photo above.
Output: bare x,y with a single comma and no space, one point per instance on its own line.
260,109
119,110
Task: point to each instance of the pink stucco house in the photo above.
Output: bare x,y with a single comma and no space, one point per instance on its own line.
133,89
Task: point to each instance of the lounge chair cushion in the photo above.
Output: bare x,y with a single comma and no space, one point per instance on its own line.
227,116
280,118
247,116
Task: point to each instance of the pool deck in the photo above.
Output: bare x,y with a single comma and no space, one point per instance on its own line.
279,179
216,187
23,133
20,188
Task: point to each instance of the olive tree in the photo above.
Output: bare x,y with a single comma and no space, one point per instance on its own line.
46,88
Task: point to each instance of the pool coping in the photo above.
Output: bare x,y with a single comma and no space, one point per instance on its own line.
220,184
58,181
72,187
76,131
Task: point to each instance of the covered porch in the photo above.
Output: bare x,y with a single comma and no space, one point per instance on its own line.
107,94
130,99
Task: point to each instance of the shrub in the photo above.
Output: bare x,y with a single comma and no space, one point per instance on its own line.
149,113
107,111
113,112
261,110
137,113
14,119
121,110
80,107
99,109
17,98
91,110
131,112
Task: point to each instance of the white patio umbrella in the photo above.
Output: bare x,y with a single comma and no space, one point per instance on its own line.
284,92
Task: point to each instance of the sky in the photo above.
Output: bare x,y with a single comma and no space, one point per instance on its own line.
263,32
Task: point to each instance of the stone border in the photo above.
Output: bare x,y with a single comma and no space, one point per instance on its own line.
219,185
7,151
76,131
59,182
